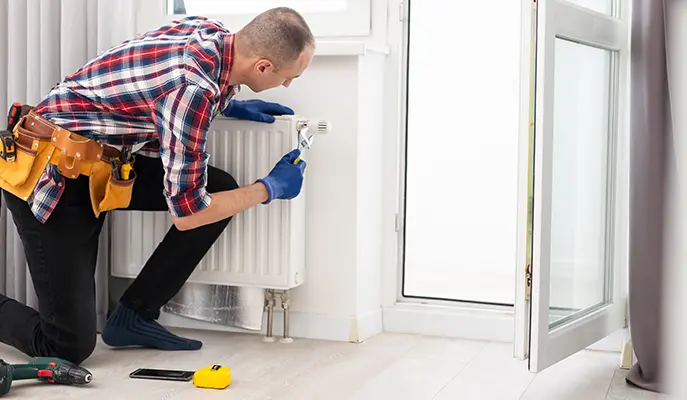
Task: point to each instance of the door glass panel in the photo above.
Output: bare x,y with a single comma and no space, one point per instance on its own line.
580,189
462,158
602,6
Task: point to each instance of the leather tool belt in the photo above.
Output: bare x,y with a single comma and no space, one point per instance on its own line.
38,142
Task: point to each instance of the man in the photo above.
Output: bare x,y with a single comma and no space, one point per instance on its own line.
155,95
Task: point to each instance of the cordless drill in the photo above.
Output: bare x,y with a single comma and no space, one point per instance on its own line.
53,370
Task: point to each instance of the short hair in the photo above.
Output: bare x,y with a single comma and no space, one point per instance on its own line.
279,34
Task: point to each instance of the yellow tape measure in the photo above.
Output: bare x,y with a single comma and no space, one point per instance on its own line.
212,377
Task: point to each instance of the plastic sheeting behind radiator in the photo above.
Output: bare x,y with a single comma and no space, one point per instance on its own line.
240,307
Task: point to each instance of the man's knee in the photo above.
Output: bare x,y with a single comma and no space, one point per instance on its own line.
76,349
77,352
220,180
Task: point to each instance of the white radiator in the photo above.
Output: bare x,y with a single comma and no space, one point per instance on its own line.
262,247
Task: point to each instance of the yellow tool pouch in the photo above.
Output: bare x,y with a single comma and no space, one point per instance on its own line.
20,176
107,191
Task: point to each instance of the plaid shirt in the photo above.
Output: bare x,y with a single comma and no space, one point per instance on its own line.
161,91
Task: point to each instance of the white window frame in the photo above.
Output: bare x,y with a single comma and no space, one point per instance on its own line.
354,22
418,315
435,317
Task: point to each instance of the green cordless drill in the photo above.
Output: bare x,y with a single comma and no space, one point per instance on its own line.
53,370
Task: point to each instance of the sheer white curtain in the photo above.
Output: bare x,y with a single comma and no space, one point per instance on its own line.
42,41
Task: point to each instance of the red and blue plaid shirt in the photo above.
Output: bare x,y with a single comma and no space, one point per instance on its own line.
161,91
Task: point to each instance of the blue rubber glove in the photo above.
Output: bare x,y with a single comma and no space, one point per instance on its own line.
286,179
255,110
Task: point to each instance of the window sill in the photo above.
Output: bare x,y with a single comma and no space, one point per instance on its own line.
348,48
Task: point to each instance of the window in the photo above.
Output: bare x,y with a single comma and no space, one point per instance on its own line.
232,7
462,143
327,18
581,208
577,246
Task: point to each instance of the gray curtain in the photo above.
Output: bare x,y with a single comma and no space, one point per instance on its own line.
41,41
179,7
651,139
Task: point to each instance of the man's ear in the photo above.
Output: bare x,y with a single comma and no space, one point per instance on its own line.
263,65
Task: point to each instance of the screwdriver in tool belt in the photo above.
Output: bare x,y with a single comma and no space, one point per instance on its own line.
115,170
126,165
13,115
126,168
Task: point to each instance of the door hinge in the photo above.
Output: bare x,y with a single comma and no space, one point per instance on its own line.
397,223
528,281
401,12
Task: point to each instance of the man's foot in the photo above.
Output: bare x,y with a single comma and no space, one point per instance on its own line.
126,328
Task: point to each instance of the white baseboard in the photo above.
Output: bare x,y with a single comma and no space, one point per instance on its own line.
302,325
448,321
466,323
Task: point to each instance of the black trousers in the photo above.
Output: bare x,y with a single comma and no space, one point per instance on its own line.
62,256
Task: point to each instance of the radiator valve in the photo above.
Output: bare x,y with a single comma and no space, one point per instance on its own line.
319,126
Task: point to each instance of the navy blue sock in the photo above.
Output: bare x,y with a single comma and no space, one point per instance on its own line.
126,328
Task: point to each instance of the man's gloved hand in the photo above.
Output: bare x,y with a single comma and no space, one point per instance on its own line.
255,110
286,179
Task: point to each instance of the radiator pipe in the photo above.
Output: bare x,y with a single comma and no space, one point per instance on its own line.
285,304
269,303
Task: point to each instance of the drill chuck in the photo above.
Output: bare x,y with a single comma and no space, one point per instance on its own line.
71,374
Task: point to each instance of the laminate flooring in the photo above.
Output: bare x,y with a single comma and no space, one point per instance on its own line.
386,367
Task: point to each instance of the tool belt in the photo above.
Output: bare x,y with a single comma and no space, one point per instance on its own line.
32,142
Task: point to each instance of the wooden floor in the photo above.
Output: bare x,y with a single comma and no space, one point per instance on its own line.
389,366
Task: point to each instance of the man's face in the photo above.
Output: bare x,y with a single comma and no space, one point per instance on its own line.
265,77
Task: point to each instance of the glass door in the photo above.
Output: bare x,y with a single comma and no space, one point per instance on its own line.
460,161
573,202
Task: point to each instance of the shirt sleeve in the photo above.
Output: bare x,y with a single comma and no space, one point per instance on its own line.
182,118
